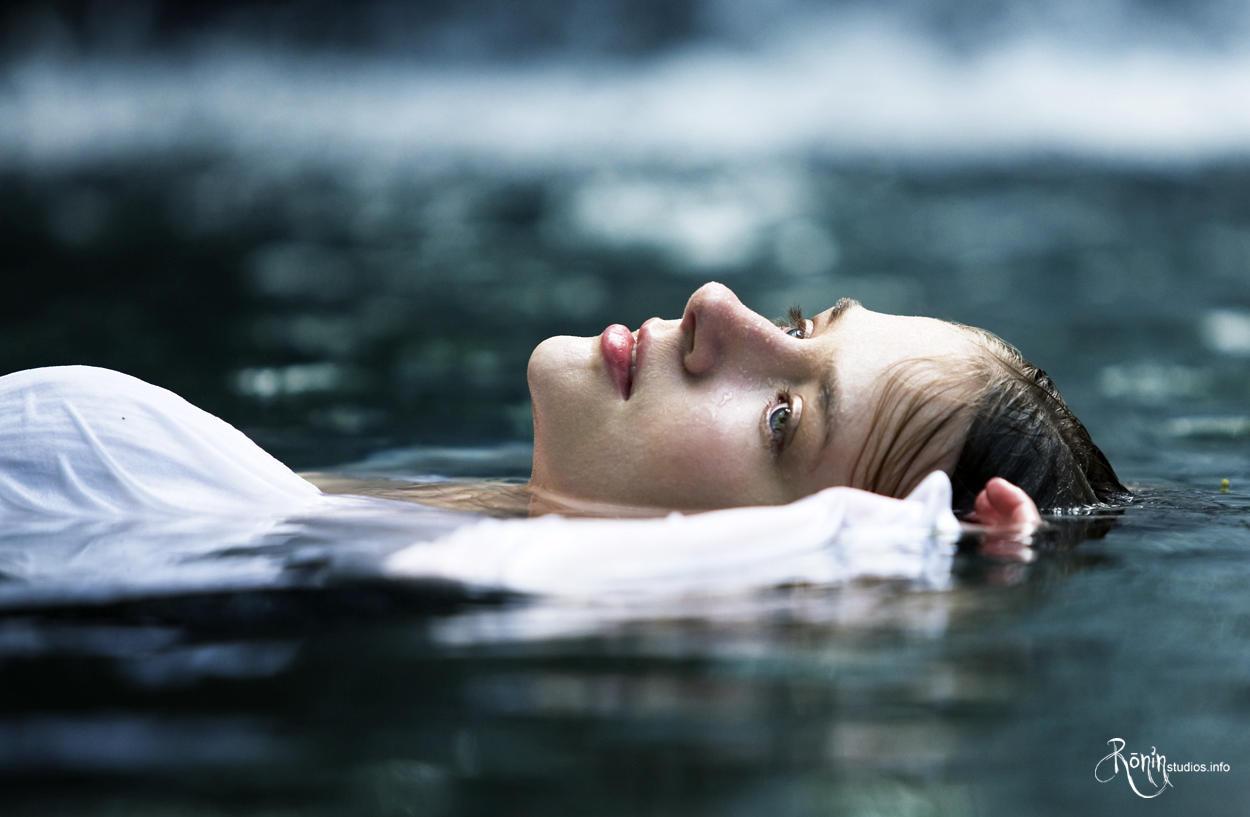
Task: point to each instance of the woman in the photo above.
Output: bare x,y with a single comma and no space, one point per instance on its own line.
720,408
853,435
724,408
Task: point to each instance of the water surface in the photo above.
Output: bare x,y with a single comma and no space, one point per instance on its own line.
349,299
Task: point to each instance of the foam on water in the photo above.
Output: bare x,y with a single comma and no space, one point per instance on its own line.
839,86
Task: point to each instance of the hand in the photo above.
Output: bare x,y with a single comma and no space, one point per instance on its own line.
1007,517
1004,505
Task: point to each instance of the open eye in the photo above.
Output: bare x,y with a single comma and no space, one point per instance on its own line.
800,331
780,417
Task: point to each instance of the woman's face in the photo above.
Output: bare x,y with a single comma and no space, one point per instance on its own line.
723,407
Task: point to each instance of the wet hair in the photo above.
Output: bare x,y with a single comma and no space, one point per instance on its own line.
1022,430
492,497
923,404
1012,421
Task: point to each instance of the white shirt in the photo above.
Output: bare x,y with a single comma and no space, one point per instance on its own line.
112,487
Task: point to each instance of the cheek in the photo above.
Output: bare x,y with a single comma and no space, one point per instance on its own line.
703,456
705,449
677,449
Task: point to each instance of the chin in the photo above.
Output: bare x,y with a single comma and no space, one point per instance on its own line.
559,374
556,362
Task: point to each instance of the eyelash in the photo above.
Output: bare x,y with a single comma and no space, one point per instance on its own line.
785,399
794,320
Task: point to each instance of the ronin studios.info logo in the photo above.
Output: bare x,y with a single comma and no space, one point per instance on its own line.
1148,775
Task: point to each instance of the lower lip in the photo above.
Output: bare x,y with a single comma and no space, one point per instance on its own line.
617,344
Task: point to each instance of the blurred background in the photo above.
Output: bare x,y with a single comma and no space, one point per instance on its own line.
344,229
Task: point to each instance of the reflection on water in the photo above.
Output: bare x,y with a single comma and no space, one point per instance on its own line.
349,250
814,698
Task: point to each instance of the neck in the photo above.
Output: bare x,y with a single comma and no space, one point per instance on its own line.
545,501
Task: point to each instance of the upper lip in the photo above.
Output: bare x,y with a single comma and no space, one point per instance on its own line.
633,361
633,366
642,341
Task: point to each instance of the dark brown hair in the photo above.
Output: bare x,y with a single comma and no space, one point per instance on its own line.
1011,419
1023,431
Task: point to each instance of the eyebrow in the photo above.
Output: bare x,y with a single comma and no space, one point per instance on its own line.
827,394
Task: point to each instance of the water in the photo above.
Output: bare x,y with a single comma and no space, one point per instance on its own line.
362,289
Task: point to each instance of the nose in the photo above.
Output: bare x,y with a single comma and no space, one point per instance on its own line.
717,327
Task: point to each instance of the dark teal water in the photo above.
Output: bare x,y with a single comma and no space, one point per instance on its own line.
331,336
344,233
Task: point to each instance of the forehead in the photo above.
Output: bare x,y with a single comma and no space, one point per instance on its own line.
865,348
905,336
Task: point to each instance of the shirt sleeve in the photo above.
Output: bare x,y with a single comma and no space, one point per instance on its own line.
834,535
92,442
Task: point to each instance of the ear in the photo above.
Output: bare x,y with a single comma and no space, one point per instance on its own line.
1002,504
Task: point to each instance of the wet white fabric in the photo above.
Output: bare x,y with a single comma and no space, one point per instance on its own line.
90,442
110,486
830,536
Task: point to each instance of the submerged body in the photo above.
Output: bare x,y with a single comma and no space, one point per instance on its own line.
117,486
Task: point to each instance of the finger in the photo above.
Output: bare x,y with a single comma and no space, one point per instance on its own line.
983,509
1011,503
